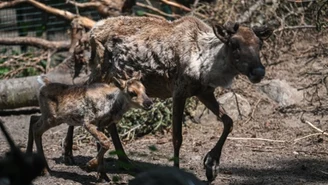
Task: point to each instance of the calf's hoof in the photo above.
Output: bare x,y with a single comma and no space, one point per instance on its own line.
45,172
92,164
68,159
102,177
211,166
129,165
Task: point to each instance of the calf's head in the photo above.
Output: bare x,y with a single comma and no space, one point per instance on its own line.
135,91
243,46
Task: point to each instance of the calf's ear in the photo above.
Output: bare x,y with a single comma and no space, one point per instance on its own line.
263,32
137,75
119,83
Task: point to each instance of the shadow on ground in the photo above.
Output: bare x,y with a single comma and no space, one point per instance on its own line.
112,166
287,171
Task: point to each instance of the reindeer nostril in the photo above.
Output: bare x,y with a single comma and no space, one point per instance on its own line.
148,104
259,72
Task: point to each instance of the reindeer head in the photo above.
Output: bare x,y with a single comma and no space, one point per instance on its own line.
243,45
134,90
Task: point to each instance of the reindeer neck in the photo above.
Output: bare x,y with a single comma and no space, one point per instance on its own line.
215,67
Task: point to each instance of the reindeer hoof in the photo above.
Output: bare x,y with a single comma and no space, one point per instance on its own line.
69,160
102,177
211,166
45,172
128,165
92,164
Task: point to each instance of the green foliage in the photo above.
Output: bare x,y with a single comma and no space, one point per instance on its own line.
138,122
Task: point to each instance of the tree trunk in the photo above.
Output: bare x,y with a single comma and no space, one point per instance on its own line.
22,92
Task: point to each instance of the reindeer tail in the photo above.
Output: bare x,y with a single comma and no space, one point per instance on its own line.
43,80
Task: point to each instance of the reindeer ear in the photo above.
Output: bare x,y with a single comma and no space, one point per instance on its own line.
231,27
224,32
220,33
126,76
137,75
263,32
119,83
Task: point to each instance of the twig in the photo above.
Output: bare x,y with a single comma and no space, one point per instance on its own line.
237,103
307,136
84,5
176,5
157,10
50,53
314,127
253,112
183,8
153,15
256,139
294,28
129,131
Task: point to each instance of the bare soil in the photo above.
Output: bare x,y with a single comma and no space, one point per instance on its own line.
246,158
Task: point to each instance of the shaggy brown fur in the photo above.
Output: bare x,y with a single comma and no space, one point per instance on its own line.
179,59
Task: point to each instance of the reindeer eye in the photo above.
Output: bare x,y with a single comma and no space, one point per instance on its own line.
132,94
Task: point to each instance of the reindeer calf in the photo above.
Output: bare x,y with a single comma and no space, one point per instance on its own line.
94,106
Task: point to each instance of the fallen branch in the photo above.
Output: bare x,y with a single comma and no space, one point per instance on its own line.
36,42
256,139
294,28
307,136
314,127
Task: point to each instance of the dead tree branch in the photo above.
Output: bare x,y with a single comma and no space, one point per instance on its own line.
86,22
11,3
106,8
36,42
157,10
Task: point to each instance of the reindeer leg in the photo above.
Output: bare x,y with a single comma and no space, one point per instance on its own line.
68,146
212,158
30,140
93,163
105,144
178,107
38,129
122,157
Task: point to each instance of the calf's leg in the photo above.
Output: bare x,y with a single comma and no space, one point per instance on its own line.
68,146
212,158
30,140
38,129
105,144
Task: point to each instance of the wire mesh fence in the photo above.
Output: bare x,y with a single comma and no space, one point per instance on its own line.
26,20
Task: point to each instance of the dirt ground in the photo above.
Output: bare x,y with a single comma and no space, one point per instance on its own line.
284,158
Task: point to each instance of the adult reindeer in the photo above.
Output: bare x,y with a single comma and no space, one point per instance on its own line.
179,59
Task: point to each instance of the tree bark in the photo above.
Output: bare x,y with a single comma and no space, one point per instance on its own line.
37,42
22,92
